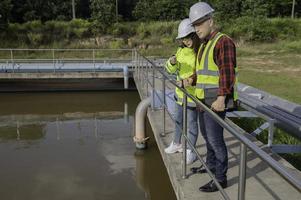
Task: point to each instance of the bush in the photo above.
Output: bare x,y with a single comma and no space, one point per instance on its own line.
36,33
167,40
250,29
287,28
123,29
142,31
80,28
117,44
35,39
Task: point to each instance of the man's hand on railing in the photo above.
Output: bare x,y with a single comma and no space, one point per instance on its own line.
219,104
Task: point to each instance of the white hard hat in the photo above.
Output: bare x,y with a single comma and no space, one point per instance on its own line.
185,28
199,10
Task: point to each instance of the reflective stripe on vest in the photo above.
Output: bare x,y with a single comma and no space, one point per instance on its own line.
179,95
180,100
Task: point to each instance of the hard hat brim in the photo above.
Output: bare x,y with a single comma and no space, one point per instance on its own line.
202,19
183,36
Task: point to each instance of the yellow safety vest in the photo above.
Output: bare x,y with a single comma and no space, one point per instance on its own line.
184,68
207,71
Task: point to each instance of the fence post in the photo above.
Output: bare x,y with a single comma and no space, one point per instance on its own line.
136,60
12,60
138,69
94,59
146,79
271,132
164,104
153,87
184,142
53,60
242,172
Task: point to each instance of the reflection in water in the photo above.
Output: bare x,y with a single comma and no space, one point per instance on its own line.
77,151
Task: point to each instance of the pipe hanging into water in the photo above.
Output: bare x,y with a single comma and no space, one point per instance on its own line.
140,136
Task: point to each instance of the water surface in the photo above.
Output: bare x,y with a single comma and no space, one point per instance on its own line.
76,145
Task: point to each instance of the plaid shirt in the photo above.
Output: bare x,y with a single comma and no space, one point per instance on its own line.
225,59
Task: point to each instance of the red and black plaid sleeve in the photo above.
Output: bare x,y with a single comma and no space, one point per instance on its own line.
225,59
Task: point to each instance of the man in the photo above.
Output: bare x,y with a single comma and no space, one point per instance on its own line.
215,69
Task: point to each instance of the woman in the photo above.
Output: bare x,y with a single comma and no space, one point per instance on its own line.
183,65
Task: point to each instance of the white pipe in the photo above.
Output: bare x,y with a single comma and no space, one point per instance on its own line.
140,136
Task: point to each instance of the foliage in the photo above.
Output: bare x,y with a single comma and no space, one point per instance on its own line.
5,9
44,10
103,12
123,29
116,44
251,29
162,9
35,33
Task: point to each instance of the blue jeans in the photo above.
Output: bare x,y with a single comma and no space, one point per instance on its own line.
217,155
191,124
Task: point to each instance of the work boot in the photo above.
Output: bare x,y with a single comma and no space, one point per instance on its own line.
201,170
211,186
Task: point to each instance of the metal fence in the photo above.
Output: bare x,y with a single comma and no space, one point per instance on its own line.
58,60
150,79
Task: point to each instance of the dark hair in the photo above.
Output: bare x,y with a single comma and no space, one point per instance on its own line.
196,42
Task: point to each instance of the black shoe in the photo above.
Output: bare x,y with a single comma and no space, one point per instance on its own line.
201,170
211,186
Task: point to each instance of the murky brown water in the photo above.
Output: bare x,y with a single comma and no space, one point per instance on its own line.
76,146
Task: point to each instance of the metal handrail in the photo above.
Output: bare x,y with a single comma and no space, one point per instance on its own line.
245,142
54,56
28,49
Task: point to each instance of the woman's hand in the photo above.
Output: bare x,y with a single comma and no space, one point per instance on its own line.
187,82
173,60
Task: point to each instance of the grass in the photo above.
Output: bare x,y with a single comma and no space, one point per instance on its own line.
272,68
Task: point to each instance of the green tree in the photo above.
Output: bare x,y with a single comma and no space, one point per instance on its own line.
103,13
143,10
162,9
5,8
44,10
227,9
255,8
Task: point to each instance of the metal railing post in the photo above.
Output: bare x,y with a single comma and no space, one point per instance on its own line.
164,105
12,60
271,132
184,142
138,69
146,79
132,60
136,60
53,60
153,89
242,172
94,60
141,71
